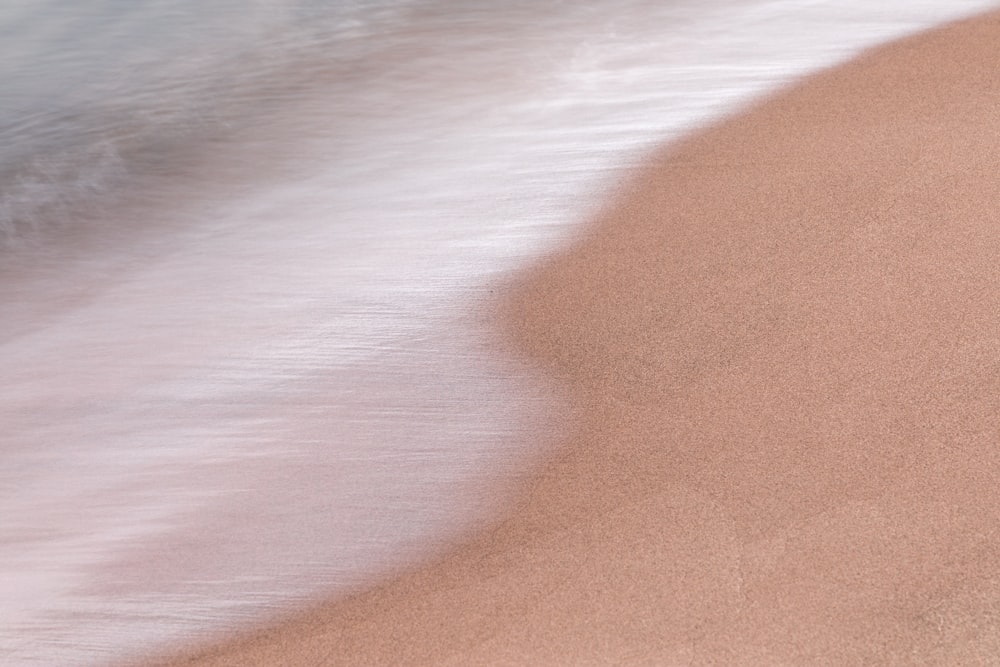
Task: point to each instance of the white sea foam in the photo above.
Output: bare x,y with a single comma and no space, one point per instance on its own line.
279,391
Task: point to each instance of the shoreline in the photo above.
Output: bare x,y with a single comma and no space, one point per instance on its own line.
782,333
267,357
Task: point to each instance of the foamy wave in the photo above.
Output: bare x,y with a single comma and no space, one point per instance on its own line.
280,391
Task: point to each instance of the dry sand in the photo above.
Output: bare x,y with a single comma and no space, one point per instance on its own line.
784,339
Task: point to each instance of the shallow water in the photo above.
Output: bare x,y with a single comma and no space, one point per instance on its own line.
242,247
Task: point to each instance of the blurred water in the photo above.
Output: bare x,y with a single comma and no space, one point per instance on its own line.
243,246
95,91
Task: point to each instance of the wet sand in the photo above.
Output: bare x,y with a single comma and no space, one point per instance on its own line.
783,341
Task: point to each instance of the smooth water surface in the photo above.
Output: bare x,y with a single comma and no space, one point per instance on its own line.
245,254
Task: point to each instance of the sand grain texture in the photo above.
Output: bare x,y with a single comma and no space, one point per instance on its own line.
784,335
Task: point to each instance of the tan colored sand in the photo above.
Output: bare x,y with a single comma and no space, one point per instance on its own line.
785,337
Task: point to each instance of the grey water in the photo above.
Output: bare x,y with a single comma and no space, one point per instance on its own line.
94,91
247,251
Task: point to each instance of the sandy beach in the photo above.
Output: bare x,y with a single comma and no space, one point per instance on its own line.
249,336
782,340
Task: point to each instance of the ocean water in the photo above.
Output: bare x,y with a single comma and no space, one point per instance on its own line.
246,256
